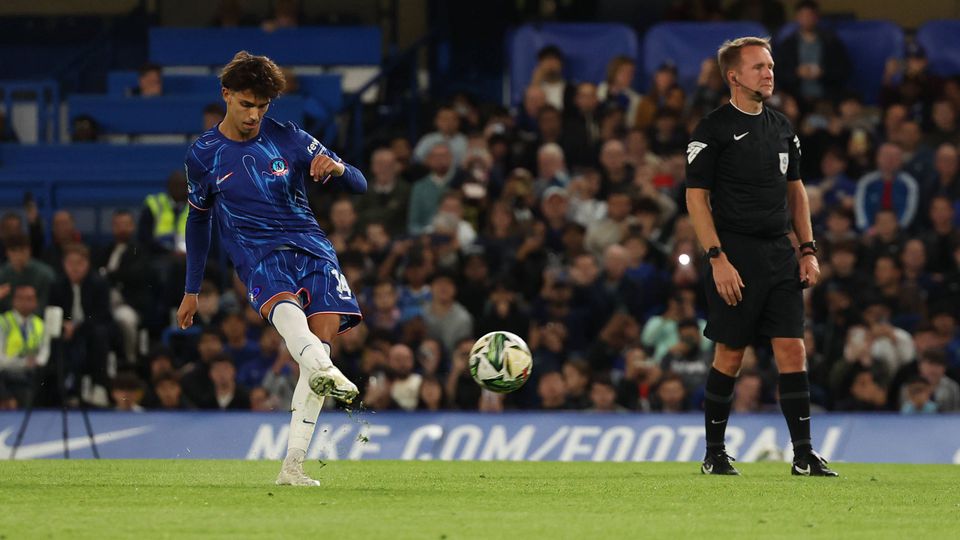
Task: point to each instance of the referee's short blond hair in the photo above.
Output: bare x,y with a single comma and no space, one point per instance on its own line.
728,56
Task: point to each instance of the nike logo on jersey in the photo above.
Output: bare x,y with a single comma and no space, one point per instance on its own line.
224,177
742,135
693,149
715,422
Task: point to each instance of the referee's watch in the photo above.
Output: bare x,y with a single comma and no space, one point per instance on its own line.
714,252
810,247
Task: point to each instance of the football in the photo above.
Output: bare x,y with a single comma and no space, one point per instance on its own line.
500,362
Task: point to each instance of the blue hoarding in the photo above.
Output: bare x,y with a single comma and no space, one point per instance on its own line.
474,436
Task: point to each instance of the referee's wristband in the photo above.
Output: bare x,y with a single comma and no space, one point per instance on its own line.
811,253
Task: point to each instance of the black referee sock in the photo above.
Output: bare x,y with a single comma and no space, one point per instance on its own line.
718,397
795,404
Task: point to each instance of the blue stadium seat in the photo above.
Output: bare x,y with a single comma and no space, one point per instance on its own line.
588,47
688,44
328,45
869,45
941,41
85,175
164,114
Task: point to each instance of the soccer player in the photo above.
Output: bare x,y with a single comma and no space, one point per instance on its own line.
743,189
250,171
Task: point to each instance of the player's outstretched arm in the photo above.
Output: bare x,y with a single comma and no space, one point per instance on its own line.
198,246
324,167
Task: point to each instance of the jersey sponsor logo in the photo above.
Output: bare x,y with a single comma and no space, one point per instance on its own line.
784,161
740,136
313,147
278,167
796,141
254,293
693,149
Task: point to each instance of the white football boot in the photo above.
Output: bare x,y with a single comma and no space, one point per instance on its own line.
330,381
291,474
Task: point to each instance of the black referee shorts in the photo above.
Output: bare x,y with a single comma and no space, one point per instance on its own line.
772,304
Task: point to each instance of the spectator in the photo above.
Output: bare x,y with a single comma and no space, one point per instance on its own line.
664,78
576,379
447,320
661,332
132,287
87,326
149,81
748,392
616,172
552,391
551,169
281,379
812,62
618,90
163,219
865,393
887,188
63,233
943,238
548,75
386,200
286,14
84,129
603,397
581,130
838,189
919,395
640,375
343,224
126,391
251,374
242,350
426,193
670,395
944,129
213,114
227,395
710,92
475,282
405,384
197,383
503,311
22,269
448,221
462,391
447,124
169,393
383,313
946,391
22,346
613,228
886,239
945,178
917,157
878,343
431,396
687,359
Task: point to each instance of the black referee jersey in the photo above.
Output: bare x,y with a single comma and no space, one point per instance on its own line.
745,160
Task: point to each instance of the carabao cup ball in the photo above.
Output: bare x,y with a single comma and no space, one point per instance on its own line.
500,362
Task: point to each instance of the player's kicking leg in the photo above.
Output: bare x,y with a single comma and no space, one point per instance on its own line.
795,403
318,377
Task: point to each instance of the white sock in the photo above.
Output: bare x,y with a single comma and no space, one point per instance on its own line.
306,348
305,409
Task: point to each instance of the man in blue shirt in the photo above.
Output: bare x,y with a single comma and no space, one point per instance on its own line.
251,171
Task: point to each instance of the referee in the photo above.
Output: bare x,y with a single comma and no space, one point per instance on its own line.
743,188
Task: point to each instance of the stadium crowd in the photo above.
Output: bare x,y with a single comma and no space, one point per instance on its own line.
562,221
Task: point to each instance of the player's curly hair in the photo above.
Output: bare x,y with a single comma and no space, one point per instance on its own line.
255,73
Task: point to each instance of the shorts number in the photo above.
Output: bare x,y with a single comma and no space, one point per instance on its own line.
343,288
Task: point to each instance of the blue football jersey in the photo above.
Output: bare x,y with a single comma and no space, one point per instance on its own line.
257,191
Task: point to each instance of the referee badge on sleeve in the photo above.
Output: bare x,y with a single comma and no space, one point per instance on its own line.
784,161
693,149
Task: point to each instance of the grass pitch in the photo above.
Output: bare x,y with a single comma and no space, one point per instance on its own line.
451,500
